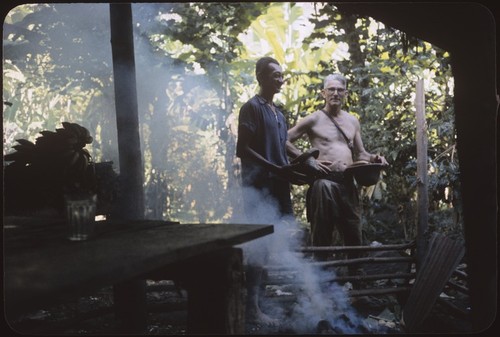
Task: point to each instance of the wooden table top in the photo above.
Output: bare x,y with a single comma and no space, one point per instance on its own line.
40,263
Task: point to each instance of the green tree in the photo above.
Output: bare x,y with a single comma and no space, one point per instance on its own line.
52,71
195,67
197,57
382,69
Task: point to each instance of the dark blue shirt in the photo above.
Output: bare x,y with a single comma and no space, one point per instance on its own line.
269,135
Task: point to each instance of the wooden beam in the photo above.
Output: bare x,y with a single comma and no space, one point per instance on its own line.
476,124
311,249
372,277
130,295
422,167
348,262
131,196
363,260
378,291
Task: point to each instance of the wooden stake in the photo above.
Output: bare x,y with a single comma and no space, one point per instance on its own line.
422,167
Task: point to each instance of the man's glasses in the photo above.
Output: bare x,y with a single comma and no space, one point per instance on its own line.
340,91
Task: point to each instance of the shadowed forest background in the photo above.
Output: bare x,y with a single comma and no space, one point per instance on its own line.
195,68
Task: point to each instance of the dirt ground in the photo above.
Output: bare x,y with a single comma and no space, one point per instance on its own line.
167,313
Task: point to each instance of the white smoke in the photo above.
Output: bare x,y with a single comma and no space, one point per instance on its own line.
316,297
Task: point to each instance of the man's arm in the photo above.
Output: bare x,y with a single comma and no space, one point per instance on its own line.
286,171
296,132
304,127
359,149
245,151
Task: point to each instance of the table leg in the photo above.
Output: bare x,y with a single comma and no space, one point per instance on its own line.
216,301
130,305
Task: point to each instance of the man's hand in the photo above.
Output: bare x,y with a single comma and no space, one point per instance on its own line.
290,173
379,159
316,168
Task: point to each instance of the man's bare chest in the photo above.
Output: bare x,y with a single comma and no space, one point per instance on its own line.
326,130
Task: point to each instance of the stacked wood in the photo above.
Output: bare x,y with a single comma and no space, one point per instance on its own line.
403,258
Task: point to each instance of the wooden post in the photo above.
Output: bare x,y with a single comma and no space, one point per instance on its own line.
130,296
422,181
131,198
130,305
216,301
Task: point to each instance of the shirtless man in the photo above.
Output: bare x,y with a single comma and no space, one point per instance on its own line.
333,200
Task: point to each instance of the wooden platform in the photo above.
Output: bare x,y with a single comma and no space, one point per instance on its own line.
41,267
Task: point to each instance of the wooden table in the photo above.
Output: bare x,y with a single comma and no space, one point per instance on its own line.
42,267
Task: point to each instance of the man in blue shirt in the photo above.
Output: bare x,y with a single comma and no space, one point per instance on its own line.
262,136
266,172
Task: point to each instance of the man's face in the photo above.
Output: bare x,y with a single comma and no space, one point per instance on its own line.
334,92
272,80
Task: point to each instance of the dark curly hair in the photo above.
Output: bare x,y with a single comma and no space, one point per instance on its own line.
261,66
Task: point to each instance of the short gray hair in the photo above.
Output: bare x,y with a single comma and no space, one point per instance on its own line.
337,77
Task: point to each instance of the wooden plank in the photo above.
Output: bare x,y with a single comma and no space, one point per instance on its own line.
25,233
443,256
422,167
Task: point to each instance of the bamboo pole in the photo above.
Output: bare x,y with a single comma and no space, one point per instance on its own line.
453,309
370,277
374,277
347,262
422,167
378,291
350,293
458,287
460,274
311,249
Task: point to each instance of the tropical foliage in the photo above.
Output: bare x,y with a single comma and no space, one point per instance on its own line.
195,67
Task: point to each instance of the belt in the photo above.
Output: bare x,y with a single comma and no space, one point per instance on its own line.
338,177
